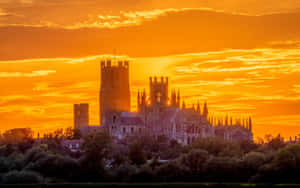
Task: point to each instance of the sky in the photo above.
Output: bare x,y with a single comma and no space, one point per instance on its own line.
241,56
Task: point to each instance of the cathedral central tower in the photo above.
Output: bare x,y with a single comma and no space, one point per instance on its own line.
114,88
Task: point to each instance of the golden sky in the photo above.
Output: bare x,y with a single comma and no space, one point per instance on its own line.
243,57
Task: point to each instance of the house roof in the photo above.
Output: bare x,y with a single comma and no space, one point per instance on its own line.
131,121
67,142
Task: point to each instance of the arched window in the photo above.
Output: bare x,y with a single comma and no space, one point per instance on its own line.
158,97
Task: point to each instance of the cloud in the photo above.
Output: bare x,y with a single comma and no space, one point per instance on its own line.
122,19
32,74
3,13
165,32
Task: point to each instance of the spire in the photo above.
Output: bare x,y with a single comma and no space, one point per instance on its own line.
183,104
219,122
138,97
178,98
198,107
226,120
250,124
138,101
205,109
173,98
143,98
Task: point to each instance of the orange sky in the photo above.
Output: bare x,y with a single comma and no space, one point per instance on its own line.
243,57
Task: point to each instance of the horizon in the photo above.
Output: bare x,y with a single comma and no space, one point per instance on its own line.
231,54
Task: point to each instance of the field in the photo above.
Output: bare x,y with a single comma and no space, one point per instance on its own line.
150,185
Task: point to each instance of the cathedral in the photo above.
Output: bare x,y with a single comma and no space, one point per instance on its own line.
158,113
162,117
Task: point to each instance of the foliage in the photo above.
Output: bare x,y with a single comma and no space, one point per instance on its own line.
72,134
97,145
102,160
136,154
21,177
97,148
218,146
16,136
172,171
195,160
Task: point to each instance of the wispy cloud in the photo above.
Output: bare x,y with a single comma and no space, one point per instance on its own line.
3,13
22,74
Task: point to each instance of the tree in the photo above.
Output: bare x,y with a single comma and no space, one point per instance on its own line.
4,165
284,159
247,145
97,147
58,134
295,150
144,174
118,159
282,169
154,163
268,138
195,160
254,160
276,143
124,172
21,177
222,169
136,154
217,146
172,171
18,135
72,134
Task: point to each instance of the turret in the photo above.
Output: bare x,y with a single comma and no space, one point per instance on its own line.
226,120
205,110
143,102
250,124
173,99
183,104
138,101
159,92
198,107
178,99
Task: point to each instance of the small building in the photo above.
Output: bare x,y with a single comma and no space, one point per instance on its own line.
73,145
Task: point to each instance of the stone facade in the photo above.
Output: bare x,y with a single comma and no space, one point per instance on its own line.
162,118
157,117
81,115
125,124
114,89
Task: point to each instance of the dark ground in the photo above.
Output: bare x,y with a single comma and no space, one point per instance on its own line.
150,185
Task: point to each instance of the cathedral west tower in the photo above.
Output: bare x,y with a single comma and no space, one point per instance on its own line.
114,88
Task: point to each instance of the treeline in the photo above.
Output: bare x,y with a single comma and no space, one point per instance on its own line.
148,159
